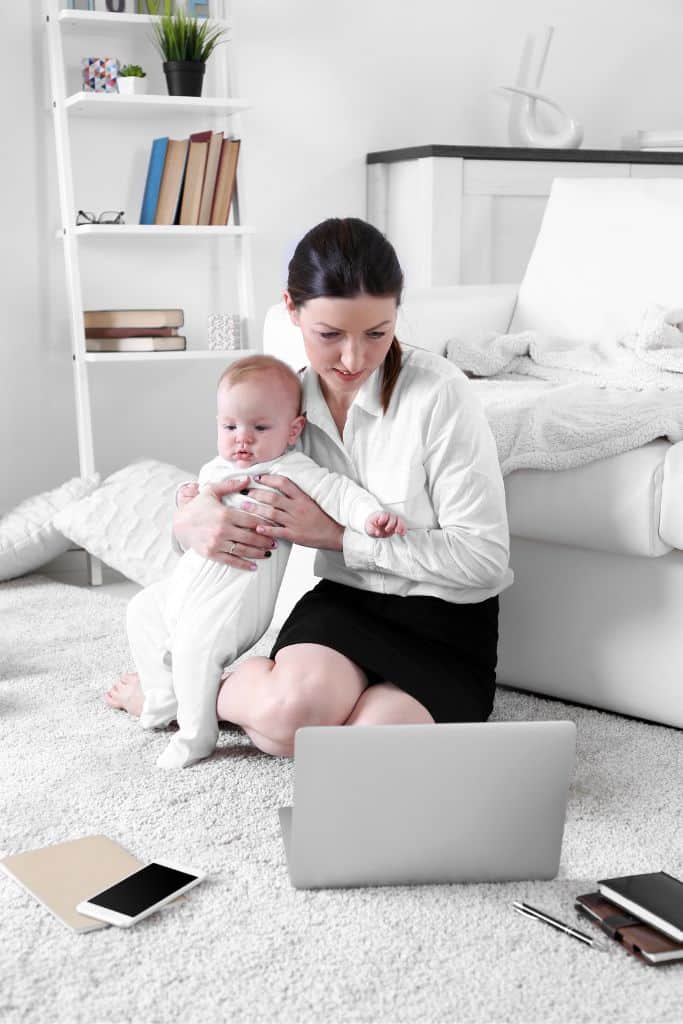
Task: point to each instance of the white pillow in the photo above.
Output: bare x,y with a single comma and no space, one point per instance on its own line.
28,537
127,522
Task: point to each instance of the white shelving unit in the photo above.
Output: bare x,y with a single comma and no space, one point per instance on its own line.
159,113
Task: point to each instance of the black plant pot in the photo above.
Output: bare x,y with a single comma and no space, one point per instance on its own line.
184,77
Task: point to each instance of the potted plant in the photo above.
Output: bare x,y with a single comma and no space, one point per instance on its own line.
185,44
132,80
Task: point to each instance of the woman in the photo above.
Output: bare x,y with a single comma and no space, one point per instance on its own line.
403,630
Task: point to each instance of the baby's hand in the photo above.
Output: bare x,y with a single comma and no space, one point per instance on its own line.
384,524
186,493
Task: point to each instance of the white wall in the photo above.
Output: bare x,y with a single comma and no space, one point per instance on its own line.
328,83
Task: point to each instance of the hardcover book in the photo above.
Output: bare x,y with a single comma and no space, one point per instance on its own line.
656,898
172,178
209,186
175,343
153,183
137,318
639,939
194,177
226,181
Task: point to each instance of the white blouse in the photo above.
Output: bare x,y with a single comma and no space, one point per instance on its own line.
432,459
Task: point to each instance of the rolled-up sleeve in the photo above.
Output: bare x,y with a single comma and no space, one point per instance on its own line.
470,545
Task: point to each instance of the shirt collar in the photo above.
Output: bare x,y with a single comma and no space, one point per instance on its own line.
316,408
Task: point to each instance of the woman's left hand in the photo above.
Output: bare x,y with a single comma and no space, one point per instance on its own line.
293,514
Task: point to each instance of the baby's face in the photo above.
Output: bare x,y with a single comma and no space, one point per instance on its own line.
257,420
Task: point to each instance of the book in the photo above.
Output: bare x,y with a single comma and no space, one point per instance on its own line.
129,332
209,185
655,898
641,940
172,178
194,177
175,343
153,183
140,318
226,181
63,874
659,138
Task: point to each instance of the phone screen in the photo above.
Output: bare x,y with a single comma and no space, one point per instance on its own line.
146,887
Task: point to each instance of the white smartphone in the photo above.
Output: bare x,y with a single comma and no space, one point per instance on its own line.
141,893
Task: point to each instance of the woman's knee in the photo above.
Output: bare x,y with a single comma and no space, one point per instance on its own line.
313,685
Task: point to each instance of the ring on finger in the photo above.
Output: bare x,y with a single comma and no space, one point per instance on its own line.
231,547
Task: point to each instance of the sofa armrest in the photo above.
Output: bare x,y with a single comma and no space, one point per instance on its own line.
671,508
430,317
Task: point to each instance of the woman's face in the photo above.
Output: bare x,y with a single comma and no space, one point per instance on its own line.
345,339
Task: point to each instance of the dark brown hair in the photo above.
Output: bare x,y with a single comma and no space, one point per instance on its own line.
343,258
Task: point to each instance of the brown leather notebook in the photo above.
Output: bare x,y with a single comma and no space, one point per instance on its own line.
62,875
641,940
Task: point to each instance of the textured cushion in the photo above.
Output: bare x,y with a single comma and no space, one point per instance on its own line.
127,522
607,249
28,537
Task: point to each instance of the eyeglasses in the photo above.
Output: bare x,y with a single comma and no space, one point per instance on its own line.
108,217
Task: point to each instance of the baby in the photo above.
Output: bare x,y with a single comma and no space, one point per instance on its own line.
183,630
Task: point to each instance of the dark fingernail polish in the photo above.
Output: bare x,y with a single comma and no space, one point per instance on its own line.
245,491
274,543
268,554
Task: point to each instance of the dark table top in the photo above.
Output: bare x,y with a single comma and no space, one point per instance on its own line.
588,156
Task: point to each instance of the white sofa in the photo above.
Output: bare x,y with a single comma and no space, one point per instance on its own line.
594,615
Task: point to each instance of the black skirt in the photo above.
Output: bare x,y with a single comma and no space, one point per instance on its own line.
442,654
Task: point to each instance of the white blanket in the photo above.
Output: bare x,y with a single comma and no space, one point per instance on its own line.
588,402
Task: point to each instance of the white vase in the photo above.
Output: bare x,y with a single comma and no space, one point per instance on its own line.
523,127
130,86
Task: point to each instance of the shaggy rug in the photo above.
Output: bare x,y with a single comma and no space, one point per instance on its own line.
245,946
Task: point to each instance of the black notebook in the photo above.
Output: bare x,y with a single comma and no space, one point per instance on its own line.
656,898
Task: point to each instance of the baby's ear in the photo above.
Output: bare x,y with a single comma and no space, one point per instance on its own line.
295,428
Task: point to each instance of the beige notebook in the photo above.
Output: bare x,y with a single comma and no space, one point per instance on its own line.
62,875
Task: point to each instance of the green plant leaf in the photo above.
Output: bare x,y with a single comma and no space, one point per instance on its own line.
179,36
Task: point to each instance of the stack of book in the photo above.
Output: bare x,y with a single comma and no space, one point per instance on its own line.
133,330
642,912
655,141
191,181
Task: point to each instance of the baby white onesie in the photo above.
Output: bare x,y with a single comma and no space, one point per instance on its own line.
208,614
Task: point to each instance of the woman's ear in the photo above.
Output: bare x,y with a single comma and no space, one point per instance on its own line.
291,309
295,428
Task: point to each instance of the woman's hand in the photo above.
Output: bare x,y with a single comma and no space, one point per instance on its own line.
294,515
216,531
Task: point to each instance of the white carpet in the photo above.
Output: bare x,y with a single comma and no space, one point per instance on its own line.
246,947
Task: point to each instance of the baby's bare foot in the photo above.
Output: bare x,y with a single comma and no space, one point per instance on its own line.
126,694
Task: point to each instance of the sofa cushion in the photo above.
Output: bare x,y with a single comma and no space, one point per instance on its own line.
607,249
611,505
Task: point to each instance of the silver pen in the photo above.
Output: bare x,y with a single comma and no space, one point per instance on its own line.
539,915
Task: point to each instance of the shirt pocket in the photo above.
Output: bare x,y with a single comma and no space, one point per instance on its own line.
396,486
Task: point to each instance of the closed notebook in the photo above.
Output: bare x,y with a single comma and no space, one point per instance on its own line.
62,875
640,939
172,179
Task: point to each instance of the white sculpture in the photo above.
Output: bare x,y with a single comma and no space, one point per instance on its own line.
523,129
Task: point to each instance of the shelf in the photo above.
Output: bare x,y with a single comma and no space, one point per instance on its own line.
227,355
157,230
95,21
104,104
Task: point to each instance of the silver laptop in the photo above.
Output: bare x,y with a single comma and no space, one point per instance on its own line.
411,804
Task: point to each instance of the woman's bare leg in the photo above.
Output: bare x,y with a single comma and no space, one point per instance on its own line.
306,684
387,704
